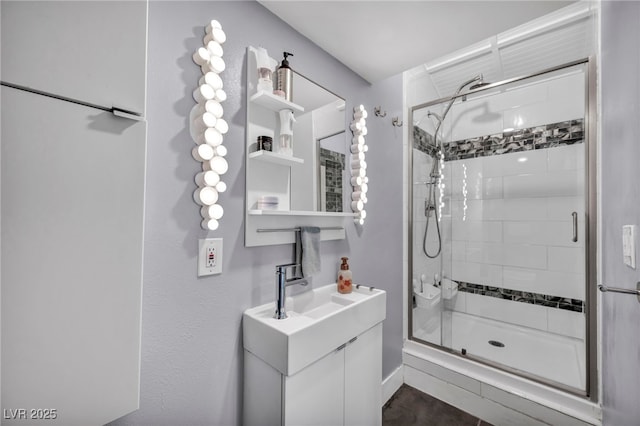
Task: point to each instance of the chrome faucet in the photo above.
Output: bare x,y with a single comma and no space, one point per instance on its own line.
281,283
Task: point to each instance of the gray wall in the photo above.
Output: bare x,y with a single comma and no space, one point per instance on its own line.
191,327
620,206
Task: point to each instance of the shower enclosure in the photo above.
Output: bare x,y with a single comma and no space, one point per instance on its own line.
502,225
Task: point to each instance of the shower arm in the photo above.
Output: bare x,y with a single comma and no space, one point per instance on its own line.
478,77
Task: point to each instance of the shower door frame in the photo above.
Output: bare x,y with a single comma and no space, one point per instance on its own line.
591,250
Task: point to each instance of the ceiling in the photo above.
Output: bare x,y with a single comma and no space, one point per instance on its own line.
378,39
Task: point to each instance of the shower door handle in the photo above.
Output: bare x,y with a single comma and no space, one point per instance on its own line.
575,227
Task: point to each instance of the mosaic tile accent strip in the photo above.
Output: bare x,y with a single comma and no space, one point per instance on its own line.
423,141
334,163
538,137
574,305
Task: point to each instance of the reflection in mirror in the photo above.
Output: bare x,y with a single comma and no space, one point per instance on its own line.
331,166
323,122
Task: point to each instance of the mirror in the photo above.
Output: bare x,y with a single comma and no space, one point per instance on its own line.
331,173
319,138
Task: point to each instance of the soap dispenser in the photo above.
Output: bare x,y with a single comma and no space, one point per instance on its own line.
285,78
345,281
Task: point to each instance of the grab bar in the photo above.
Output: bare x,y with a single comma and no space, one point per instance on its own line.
604,289
575,226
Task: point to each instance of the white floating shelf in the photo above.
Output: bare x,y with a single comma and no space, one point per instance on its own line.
274,157
274,103
256,212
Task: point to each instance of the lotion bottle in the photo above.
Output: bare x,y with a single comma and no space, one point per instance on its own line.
345,281
285,78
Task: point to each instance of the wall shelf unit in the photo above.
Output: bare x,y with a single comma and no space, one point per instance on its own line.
274,103
273,174
274,157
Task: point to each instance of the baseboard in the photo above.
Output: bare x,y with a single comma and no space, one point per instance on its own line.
392,383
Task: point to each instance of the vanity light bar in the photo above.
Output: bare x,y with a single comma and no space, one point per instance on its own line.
358,164
207,127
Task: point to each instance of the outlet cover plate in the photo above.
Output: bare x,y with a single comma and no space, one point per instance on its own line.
209,256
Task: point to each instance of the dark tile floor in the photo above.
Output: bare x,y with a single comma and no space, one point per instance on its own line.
408,406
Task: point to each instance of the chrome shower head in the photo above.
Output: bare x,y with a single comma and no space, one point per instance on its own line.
478,85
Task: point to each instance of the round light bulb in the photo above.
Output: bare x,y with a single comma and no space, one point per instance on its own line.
210,224
212,79
221,150
215,211
357,206
216,64
212,136
201,56
219,165
220,95
207,178
221,186
203,93
214,108
222,125
213,24
205,196
214,48
202,152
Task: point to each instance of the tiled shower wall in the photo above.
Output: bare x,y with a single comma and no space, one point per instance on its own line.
508,199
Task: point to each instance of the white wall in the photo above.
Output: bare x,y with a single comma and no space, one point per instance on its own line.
620,127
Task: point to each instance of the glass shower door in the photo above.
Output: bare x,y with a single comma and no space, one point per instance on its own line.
511,196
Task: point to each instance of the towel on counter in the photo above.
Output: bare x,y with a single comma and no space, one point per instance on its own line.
310,239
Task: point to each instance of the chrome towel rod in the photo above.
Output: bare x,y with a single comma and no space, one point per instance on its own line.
604,289
331,228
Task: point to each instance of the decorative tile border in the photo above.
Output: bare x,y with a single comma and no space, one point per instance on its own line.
538,137
334,163
423,141
524,297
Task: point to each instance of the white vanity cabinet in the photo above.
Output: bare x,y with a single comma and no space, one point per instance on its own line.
341,388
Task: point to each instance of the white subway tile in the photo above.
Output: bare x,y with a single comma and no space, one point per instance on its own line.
478,231
509,311
566,157
476,273
524,163
561,284
552,184
556,233
526,256
567,323
489,253
560,208
458,251
524,209
566,259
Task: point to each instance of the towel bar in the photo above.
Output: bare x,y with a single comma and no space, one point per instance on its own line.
604,289
331,228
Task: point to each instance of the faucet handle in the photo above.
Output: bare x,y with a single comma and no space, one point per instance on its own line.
283,268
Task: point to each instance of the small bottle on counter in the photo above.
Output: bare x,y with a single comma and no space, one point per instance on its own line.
345,281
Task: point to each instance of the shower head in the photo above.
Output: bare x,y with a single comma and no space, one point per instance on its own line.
478,79
478,85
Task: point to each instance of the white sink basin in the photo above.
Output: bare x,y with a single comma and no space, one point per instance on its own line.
319,321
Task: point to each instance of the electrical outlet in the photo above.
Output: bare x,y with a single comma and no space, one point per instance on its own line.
209,256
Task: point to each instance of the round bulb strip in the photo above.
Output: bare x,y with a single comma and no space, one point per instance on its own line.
207,127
